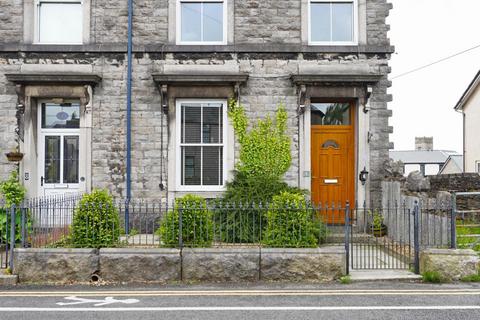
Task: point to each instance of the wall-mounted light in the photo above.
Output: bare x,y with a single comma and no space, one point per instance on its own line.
21,108
363,176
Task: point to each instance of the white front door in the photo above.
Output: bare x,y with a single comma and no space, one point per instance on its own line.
59,148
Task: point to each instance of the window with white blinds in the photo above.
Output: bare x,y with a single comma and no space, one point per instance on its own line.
201,136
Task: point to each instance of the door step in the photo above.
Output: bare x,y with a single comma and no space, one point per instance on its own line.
383,275
8,280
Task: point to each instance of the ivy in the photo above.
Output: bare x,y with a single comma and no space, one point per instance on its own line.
265,149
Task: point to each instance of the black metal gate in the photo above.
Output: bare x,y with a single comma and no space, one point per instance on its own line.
382,238
391,237
7,236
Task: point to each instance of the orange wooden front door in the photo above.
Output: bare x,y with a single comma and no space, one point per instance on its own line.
333,168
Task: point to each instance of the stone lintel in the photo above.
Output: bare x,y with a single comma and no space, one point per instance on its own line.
54,79
200,79
336,79
166,48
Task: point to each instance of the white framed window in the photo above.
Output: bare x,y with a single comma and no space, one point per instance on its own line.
200,140
201,22
333,22
477,166
59,21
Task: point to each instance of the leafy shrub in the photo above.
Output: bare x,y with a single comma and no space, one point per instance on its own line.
13,194
95,221
241,225
292,223
197,224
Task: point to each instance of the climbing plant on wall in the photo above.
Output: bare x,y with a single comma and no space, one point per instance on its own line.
264,158
265,148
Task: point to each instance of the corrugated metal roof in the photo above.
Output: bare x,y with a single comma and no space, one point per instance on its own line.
422,157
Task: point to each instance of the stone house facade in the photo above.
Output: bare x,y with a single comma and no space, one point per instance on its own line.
63,84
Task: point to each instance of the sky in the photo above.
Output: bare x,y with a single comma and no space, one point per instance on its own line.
422,32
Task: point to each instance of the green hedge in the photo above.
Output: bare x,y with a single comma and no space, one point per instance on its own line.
291,223
197,224
95,222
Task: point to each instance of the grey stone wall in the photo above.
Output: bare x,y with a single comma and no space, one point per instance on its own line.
466,182
278,21
8,122
55,265
377,29
110,17
380,141
11,21
161,265
139,265
451,265
273,21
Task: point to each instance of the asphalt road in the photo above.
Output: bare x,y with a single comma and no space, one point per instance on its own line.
389,300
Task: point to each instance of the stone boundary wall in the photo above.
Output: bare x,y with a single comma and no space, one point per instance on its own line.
132,265
452,265
455,182
55,265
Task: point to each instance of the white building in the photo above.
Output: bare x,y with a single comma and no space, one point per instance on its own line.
469,106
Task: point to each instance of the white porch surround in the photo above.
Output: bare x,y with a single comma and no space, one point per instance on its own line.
34,87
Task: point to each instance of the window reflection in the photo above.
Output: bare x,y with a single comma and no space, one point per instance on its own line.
60,116
333,114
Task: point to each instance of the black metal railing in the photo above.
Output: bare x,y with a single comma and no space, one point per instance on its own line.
388,237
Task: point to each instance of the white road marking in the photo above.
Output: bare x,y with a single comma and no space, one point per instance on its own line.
97,302
437,292
220,309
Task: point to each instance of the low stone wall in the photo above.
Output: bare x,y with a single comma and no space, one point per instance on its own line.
221,265
140,265
55,265
125,265
320,264
451,264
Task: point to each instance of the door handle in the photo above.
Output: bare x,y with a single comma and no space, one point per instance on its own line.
41,181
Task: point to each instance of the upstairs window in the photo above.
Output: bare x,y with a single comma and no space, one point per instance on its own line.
59,22
333,22
201,21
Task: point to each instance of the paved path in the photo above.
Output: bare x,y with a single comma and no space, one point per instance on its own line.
359,301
